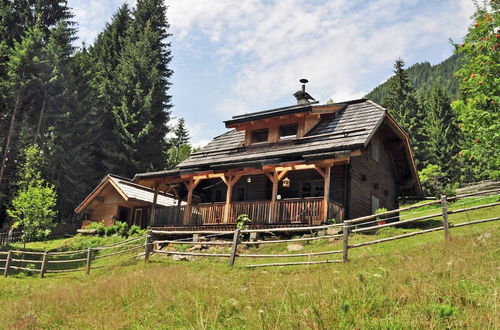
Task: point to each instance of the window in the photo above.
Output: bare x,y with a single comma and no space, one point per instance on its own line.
375,150
260,135
240,194
288,131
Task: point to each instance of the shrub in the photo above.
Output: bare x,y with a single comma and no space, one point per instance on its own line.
100,228
135,230
110,230
122,228
381,218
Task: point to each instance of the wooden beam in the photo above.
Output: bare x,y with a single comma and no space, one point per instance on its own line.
326,192
230,182
153,206
320,171
190,185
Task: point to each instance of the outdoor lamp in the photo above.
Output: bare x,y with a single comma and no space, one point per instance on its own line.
286,182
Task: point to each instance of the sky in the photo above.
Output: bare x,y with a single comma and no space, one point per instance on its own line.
238,56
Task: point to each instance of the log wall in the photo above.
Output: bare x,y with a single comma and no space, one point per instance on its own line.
370,177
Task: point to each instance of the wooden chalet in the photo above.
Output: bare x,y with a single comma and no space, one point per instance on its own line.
296,165
118,199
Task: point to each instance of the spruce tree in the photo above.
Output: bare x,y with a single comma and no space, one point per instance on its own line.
105,55
402,105
180,148
142,114
444,137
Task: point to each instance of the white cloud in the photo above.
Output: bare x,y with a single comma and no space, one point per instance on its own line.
335,44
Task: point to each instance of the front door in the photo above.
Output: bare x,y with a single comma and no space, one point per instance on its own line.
123,214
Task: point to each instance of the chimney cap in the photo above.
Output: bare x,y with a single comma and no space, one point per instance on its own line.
302,96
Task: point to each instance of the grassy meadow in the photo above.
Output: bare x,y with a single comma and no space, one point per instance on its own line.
417,282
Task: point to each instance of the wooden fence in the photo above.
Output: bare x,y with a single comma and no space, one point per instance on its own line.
64,261
348,228
14,237
82,260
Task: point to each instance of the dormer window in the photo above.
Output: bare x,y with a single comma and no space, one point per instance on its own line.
288,131
260,135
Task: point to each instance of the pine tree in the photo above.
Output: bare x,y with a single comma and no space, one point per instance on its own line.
143,112
180,148
403,107
25,67
444,137
478,109
105,54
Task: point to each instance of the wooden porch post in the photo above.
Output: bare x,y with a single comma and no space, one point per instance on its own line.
275,178
229,181
190,185
178,207
153,206
326,189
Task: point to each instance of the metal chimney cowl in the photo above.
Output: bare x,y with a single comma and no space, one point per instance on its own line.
302,96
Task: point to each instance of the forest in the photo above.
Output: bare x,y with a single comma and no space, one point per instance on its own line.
69,115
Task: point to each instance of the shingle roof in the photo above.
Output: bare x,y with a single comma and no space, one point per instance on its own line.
129,190
349,129
141,193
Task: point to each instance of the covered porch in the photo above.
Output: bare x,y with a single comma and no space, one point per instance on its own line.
272,195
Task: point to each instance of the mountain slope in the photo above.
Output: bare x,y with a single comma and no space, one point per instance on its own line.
424,76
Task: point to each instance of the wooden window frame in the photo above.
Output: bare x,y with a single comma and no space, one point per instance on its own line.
287,126
257,131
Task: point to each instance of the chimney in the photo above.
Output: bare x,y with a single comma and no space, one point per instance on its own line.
302,96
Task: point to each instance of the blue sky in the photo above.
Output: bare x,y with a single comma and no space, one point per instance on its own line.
237,56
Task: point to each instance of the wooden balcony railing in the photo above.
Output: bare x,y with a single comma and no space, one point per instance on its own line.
207,213
257,211
306,210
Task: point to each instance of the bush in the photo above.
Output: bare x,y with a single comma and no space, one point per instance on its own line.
121,228
110,230
434,182
135,230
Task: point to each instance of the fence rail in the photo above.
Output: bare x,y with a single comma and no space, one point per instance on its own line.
349,227
64,261
72,261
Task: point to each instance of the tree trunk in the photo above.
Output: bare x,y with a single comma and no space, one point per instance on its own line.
40,118
10,134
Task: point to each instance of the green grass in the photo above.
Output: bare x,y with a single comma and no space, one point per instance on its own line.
417,282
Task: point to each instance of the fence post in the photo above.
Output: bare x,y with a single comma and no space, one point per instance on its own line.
7,264
445,217
44,264
345,235
236,238
89,259
147,248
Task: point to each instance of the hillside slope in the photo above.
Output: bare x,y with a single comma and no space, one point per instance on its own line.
417,282
424,76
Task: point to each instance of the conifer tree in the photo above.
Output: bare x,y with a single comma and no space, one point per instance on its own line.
478,108
444,137
144,109
106,53
180,148
403,107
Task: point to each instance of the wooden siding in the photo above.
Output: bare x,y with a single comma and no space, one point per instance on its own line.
369,177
